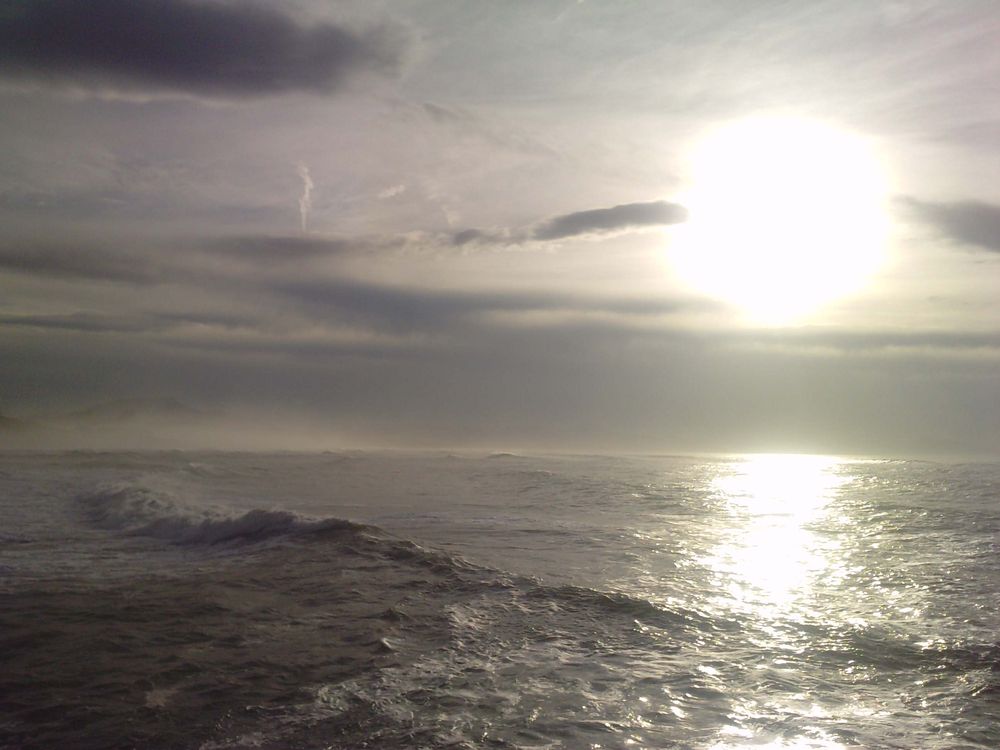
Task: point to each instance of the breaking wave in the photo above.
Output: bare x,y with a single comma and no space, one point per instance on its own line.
142,511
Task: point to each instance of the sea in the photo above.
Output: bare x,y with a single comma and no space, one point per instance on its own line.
209,601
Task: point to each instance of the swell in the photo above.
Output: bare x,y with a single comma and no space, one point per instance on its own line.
138,510
133,509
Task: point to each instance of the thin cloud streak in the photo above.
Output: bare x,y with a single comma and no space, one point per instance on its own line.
305,200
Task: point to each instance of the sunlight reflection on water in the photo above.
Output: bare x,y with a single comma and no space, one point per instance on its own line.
769,553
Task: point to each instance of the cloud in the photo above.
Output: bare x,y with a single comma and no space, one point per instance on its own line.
142,323
78,322
593,221
468,235
617,218
78,261
297,281
392,192
305,200
965,222
201,48
199,261
397,309
265,251
488,237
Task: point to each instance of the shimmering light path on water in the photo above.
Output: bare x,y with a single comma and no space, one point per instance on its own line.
770,553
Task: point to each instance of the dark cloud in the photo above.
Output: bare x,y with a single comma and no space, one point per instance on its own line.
495,237
966,222
203,48
601,220
593,221
78,261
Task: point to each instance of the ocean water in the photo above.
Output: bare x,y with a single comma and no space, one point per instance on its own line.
354,600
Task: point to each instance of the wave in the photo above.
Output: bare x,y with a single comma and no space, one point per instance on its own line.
139,510
142,511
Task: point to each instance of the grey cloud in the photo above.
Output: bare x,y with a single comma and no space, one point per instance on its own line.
141,323
496,237
384,307
601,220
78,322
279,269
272,250
397,309
467,235
966,222
120,261
231,262
593,221
78,261
203,48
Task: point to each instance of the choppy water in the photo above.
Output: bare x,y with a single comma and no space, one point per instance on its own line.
351,600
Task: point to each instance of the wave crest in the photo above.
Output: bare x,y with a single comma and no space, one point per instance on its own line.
142,511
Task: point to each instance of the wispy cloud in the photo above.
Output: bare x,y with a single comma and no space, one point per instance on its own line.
305,199
202,48
392,192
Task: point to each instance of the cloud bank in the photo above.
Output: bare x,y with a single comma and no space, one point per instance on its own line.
201,48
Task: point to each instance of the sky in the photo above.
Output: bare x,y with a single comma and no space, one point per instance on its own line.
439,223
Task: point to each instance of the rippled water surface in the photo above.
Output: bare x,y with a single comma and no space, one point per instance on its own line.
351,600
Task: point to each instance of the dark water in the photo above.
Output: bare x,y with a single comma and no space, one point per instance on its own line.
219,601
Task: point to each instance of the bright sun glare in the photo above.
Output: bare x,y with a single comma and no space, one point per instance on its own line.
786,214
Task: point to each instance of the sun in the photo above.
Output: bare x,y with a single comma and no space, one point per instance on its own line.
785,215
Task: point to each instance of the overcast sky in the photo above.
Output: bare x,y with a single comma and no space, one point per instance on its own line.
447,223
